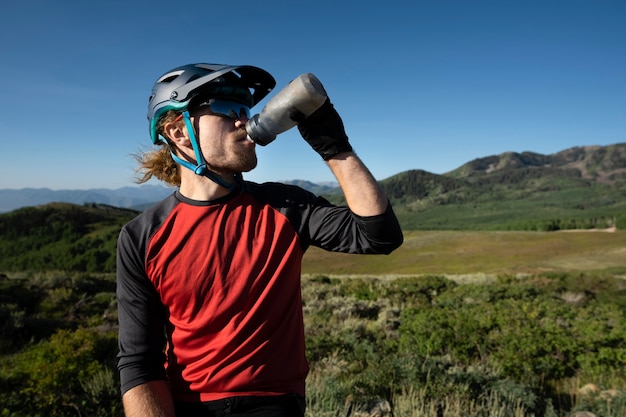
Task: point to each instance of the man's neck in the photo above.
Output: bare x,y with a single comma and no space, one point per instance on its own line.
200,188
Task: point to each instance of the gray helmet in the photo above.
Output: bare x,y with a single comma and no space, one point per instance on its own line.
176,89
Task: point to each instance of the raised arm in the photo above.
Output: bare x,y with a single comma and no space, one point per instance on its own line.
372,226
324,131
362,192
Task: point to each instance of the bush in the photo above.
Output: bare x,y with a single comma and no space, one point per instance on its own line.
69,374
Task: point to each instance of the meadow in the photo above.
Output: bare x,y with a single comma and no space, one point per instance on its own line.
483,253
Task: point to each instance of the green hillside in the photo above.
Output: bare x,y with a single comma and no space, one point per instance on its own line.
578,188
61,236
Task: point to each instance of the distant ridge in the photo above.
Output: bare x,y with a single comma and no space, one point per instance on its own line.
138,197
605,164
315,188
125,197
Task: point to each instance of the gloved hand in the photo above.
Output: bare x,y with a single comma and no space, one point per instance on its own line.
324,131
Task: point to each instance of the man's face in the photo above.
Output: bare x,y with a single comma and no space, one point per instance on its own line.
224,142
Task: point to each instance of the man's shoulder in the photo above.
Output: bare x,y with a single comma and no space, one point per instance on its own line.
153,215
277,190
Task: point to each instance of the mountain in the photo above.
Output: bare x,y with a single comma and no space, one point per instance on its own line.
597,163
574,188
580,166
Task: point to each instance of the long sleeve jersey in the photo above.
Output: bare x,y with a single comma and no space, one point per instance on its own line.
209,292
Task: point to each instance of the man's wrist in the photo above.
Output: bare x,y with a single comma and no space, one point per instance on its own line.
332,151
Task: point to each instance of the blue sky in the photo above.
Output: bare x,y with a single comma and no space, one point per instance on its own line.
420,84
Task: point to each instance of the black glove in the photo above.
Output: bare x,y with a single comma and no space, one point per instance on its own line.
324,131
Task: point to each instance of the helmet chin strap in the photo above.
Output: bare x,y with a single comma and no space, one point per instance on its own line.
200,168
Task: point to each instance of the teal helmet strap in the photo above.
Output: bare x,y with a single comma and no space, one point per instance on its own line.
200,168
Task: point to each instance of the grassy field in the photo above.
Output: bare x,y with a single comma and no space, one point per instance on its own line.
483,253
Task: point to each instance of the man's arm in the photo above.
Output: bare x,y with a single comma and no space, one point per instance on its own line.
373,227
152,399
362,192
324,131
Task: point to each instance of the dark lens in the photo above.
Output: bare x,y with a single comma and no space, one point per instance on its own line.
230,109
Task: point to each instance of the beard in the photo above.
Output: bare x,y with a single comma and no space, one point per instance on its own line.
240,161
247,161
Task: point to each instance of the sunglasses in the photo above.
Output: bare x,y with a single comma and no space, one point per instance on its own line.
230,109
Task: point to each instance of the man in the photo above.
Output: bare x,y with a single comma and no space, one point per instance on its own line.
209,279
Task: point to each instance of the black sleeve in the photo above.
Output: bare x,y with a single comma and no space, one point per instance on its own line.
337,229
334,228
141,317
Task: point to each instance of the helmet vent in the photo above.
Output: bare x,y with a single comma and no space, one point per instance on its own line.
169,77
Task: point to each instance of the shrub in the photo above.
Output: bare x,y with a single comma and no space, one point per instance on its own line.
69,374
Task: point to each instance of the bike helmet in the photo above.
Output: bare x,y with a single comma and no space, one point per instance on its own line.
179,88
176,89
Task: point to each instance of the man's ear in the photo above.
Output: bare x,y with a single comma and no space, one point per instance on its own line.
176,131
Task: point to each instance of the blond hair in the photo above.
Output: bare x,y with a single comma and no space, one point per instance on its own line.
158,162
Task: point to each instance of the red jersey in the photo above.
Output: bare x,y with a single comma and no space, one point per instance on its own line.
212,289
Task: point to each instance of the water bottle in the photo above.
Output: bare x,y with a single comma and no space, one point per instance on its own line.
304,94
